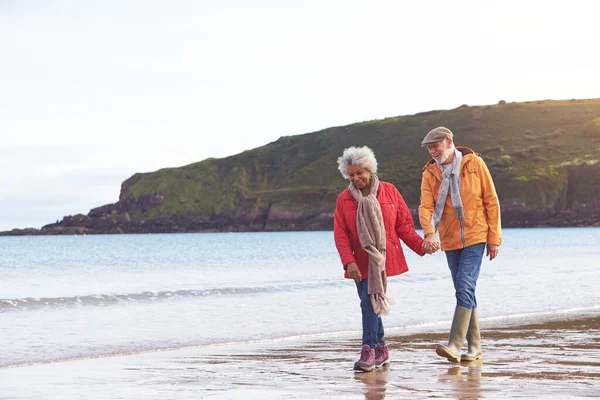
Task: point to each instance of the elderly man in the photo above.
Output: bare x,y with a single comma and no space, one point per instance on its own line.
458,199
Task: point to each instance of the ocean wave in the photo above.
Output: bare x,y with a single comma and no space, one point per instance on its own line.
32,303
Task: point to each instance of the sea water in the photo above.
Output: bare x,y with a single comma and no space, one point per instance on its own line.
68,297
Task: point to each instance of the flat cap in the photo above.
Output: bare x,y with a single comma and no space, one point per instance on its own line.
436,135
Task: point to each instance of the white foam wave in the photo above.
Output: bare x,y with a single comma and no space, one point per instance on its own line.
103,299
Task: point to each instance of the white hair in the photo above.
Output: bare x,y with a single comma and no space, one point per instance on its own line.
362,156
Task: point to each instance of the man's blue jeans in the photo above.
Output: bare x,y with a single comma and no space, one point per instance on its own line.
371,322
464,265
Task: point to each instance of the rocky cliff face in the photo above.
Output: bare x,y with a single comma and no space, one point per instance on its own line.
544,157
114,220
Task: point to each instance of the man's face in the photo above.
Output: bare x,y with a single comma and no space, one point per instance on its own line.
440,151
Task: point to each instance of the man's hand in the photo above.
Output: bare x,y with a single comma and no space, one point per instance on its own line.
354,272
427,248
492,251
430,244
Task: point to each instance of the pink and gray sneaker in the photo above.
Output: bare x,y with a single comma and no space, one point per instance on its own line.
382,356
367,359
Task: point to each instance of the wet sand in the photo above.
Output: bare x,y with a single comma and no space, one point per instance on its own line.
551,359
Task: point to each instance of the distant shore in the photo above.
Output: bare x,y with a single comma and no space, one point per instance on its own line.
555,358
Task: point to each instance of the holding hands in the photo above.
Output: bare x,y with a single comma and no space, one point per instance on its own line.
430,244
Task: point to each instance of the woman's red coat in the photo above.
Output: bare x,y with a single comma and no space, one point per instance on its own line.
398,225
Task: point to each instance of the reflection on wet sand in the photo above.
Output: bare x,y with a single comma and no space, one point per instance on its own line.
558,359
464,381
375,382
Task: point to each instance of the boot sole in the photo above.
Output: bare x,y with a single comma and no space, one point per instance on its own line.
386,362
471,359
360,368
443,352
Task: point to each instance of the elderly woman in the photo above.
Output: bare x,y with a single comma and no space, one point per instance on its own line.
370,218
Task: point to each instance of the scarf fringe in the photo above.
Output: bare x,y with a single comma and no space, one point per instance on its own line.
381,303
459,212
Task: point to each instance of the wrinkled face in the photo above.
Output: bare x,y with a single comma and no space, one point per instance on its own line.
359,176
440,151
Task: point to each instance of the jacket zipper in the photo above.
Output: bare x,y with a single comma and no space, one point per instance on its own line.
462,233
461,222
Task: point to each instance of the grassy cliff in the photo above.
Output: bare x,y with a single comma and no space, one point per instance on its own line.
542,154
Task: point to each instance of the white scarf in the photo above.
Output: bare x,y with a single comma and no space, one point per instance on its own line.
450,183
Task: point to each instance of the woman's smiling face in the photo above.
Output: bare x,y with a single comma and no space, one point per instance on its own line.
359,176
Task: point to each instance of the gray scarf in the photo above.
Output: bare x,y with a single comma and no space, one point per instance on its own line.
371,234
451,183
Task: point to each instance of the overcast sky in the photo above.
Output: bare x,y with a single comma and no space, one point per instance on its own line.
92,92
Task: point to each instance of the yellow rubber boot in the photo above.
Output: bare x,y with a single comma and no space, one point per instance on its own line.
473,339
458,333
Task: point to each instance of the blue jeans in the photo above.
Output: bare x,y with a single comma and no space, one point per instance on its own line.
371,322
464,265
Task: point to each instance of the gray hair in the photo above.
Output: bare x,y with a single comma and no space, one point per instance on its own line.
362,156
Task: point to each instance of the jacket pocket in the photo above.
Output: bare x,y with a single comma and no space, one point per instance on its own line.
391,254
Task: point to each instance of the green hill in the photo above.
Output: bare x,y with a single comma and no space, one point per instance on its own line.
543,156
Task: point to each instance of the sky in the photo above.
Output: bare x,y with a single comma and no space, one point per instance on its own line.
92,92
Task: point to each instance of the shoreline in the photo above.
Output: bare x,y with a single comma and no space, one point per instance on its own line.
558,356
425,329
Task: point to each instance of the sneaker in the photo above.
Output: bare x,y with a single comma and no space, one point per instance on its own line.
367,359
382,355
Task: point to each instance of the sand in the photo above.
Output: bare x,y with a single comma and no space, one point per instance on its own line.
551,359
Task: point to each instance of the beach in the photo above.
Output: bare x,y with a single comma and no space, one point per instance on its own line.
558,357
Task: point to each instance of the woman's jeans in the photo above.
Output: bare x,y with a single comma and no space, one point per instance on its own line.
464,265
371,322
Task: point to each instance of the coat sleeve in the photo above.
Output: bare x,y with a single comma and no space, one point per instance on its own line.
491,204
427,206
340,234
405,226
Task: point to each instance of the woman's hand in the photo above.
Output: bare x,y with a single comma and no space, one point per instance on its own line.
353,271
